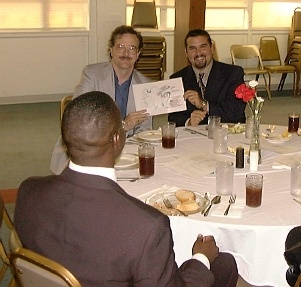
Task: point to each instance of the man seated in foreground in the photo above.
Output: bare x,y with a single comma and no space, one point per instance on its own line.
85,221
209,85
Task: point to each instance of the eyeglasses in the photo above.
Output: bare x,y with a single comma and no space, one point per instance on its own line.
121,48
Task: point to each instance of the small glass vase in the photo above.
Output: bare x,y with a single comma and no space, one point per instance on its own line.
255,139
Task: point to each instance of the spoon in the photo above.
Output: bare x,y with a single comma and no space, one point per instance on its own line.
215,200
207,197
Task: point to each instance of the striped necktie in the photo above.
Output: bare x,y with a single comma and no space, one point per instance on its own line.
201,85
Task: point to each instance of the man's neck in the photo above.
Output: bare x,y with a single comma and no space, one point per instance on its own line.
122,74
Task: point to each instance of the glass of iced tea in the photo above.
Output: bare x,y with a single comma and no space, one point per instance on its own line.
293,122
146,153
169,135
254,184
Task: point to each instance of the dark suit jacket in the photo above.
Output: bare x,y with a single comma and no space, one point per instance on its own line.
222,82
104,236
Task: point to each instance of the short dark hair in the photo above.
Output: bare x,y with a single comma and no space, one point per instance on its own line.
93,114
195,33
123,29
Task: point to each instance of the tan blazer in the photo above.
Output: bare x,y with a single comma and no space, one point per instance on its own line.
98,77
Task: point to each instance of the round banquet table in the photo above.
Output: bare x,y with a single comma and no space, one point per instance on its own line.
255,236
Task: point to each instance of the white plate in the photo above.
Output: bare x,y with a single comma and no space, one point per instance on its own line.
150,136
156,200
277,140
126,160
235,128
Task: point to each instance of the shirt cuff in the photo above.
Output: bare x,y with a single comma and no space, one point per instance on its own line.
187,121
202,258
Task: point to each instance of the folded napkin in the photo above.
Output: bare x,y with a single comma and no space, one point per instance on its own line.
284,161
235,210
164,188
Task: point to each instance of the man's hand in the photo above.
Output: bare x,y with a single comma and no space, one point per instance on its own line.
207,246
194,98
196,117
135,118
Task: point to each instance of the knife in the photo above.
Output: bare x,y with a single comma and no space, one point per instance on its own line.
196,132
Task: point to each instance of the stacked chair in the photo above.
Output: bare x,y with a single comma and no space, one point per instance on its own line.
272,62
152,60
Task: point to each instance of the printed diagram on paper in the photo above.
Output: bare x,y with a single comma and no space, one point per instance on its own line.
160,97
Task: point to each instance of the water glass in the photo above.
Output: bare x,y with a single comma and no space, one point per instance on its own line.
169,135
213,122
220,140
254,184
224,177
296,179
146,153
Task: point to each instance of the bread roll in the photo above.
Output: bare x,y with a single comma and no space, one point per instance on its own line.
188,206
183,195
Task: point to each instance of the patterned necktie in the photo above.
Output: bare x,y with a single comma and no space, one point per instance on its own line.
201,85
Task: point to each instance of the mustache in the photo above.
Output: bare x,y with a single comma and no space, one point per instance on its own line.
125,58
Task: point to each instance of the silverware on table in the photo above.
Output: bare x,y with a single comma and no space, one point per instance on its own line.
231,201
195,132
215,200
168,205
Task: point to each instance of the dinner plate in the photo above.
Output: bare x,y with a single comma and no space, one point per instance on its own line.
126,160
234,128
156,200
150,136
277,139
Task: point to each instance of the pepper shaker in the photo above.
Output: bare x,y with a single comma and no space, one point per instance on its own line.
240,159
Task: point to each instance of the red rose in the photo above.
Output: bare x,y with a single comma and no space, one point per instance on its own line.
244,92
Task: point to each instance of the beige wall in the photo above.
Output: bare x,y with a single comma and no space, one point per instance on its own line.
39,67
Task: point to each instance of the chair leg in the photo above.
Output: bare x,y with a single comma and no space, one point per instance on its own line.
267,85
281,83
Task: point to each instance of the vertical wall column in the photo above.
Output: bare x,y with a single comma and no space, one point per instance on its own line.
190,14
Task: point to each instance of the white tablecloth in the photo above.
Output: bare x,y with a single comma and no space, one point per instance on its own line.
256,239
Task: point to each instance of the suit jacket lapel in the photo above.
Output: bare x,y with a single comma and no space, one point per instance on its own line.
213,83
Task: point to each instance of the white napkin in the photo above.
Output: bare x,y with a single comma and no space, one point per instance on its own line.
284,161
164,188
235,210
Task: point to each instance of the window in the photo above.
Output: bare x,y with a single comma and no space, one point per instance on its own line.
249,14
165,10
43,14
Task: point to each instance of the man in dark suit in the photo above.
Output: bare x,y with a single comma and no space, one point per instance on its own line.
213,94
84,220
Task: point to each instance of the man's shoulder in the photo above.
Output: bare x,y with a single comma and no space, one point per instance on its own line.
181,72
99,66
139,78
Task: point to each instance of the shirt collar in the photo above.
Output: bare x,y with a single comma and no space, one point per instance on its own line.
205,70
101,171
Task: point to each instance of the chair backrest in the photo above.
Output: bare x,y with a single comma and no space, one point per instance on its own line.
34,270
269,49
64,102
246,52
144,15
298,282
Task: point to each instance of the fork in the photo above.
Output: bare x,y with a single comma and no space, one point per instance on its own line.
168,205
231,200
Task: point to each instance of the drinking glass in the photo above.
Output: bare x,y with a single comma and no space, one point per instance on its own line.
169,135
213,122
296,179
224,177
220,140
146,153
293,122
254,184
